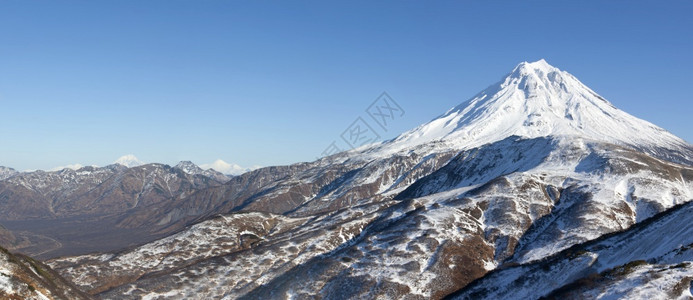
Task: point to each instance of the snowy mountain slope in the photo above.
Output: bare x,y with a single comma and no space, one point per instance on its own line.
6,172
215,237
590,188
450,238
413,246
634,281
24,278
625,261
255,247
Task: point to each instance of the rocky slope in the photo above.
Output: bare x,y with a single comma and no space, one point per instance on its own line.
653,260
6,172
24,278
534,165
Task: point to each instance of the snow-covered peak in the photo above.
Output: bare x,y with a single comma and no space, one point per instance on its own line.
534,100
533,67
71,167
6,172
129,161
189,167
227,168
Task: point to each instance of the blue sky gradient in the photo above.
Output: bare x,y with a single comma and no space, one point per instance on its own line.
268,83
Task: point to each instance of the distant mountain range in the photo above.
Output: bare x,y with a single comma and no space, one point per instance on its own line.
535,187
86,204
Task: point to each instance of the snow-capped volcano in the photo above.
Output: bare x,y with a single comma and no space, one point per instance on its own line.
537,100
227,168
129,161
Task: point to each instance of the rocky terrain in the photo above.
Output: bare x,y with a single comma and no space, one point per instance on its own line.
537,182
638,263
22,277
6,172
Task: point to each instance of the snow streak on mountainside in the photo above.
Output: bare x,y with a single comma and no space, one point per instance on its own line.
530,167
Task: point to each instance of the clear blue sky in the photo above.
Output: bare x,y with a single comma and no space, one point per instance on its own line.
267,83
